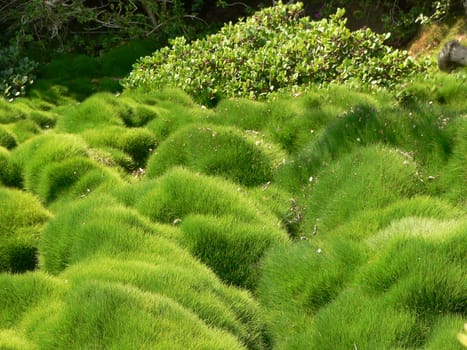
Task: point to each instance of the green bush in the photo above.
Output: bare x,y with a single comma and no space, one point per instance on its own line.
16,72
273,49
213,150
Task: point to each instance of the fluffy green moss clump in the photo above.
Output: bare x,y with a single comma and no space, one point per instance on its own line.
21,220
213,150
231,248
369,178
104,241
10,173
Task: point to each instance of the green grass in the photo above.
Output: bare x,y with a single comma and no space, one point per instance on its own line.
74,177
331,219
10,174
231,248
138,143
213,150
369,178
102,240
196,289
7,140
35,156
22,292
181,192
21,221
101,109
111,314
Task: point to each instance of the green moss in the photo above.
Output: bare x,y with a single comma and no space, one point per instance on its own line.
110,314
180,192
35,155
231,248
10,173
369,178
21,220
101,109
7,140
138,143
213,150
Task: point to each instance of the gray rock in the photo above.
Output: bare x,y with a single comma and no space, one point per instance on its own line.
452,56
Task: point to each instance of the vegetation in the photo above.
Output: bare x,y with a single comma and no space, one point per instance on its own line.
273,49
326,216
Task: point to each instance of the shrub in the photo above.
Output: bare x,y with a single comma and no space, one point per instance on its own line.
213,150
231,248
21,221
273,49
16,72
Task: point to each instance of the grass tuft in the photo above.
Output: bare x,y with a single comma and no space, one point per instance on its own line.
21,220
231,248
213,150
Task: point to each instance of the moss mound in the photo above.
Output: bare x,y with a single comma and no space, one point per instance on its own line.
213,150
21,221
